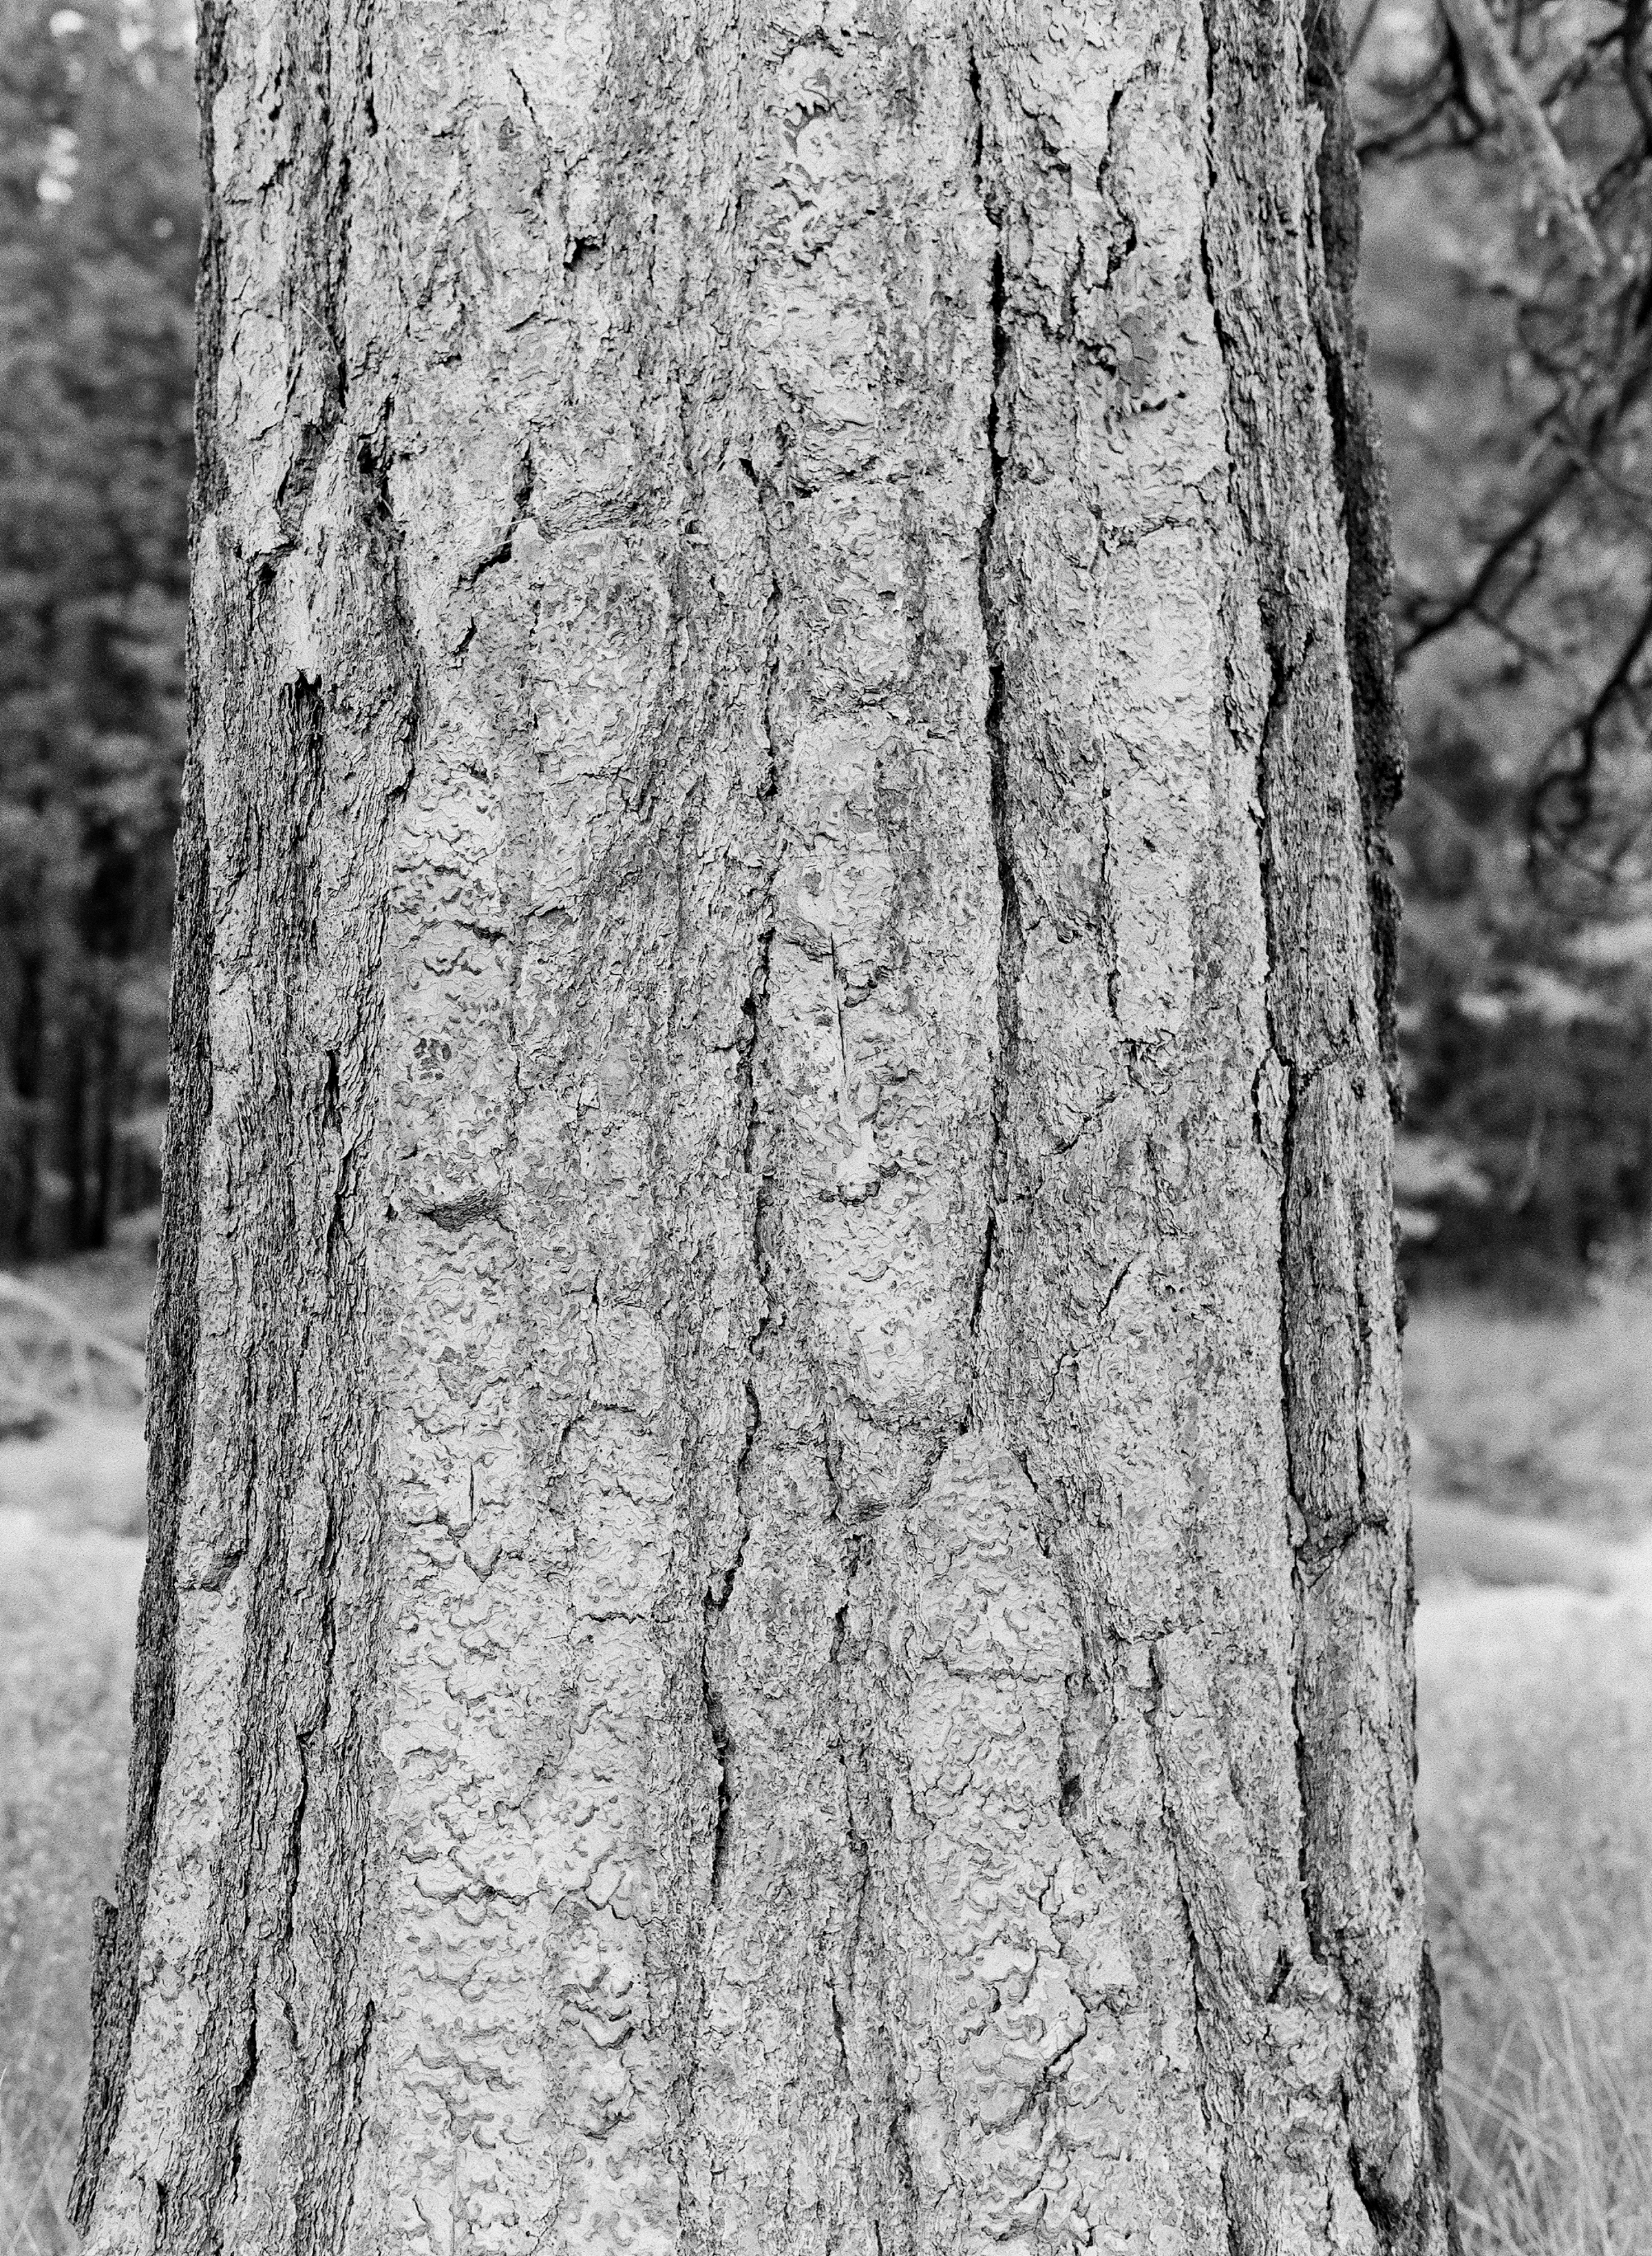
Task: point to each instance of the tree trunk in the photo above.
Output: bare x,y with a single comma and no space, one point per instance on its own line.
778,1610
26,1103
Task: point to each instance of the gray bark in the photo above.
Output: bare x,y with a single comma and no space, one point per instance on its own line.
778,1614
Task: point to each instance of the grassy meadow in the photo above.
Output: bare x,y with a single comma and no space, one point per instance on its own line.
1532,1455
70,1556
67,1599
1536,1810
1532,1469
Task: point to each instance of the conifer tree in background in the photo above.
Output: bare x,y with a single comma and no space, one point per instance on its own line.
777,1614
98,234
1513,361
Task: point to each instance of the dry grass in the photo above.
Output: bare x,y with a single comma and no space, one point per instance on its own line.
67,1605
1461,1545
1536,1804
70,1508
1533,1448
1536,1793
1542,1416
88,1474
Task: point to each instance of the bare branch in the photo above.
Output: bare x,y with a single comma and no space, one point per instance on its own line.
1528,130
1561,803
1427,620
1634,72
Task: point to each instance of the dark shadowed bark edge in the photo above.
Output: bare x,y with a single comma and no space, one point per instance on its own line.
1380,736
173,1341
174,1323
1378,722
1363,474
1261,339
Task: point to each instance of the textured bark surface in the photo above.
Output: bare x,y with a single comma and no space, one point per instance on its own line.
778,1617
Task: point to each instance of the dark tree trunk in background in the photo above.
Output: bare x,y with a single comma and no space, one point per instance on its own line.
27,1078
72,1147
109,1108
778,1610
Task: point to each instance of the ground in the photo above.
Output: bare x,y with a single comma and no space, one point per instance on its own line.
1532,1463
1532,1469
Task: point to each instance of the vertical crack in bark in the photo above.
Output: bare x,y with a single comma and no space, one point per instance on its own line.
717,1723
1214,2020
1279,1043
752,1158
845,1103
721,1582
880,2107
1011,945
520,861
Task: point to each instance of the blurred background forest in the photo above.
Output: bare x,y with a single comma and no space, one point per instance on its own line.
99,228
1507,152
1508,294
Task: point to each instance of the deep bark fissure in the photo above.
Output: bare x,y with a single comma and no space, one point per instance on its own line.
755,1161
881,2110
999,810
238,2099
717,1723
754,1168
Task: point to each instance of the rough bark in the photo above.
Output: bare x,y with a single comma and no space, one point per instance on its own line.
779,1613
